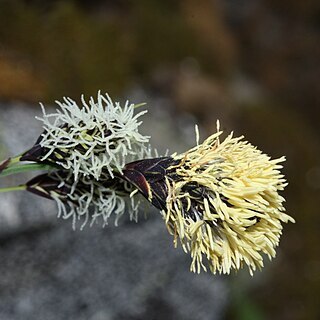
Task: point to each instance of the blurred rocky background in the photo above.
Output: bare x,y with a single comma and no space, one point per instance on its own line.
253,64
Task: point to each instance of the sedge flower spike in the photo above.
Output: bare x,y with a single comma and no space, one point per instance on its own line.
85,147
89,138
86,200
220,200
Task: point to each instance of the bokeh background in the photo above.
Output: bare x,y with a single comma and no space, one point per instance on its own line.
253,64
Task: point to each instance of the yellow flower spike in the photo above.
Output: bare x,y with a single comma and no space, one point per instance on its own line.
228,195
220,200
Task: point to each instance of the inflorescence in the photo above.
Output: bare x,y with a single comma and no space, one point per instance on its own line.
220,200
89,145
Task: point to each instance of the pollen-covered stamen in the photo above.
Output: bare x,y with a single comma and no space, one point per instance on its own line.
223,204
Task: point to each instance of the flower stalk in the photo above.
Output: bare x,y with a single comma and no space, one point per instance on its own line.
25,167
15,188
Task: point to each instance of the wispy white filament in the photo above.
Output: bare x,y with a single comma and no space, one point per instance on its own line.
94,136
90,200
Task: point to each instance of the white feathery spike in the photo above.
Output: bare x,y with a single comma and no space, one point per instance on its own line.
84,133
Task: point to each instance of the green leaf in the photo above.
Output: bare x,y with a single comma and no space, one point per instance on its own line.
18,168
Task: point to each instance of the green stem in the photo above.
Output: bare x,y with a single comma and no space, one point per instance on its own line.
15,188
15,160
7,163
25,168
